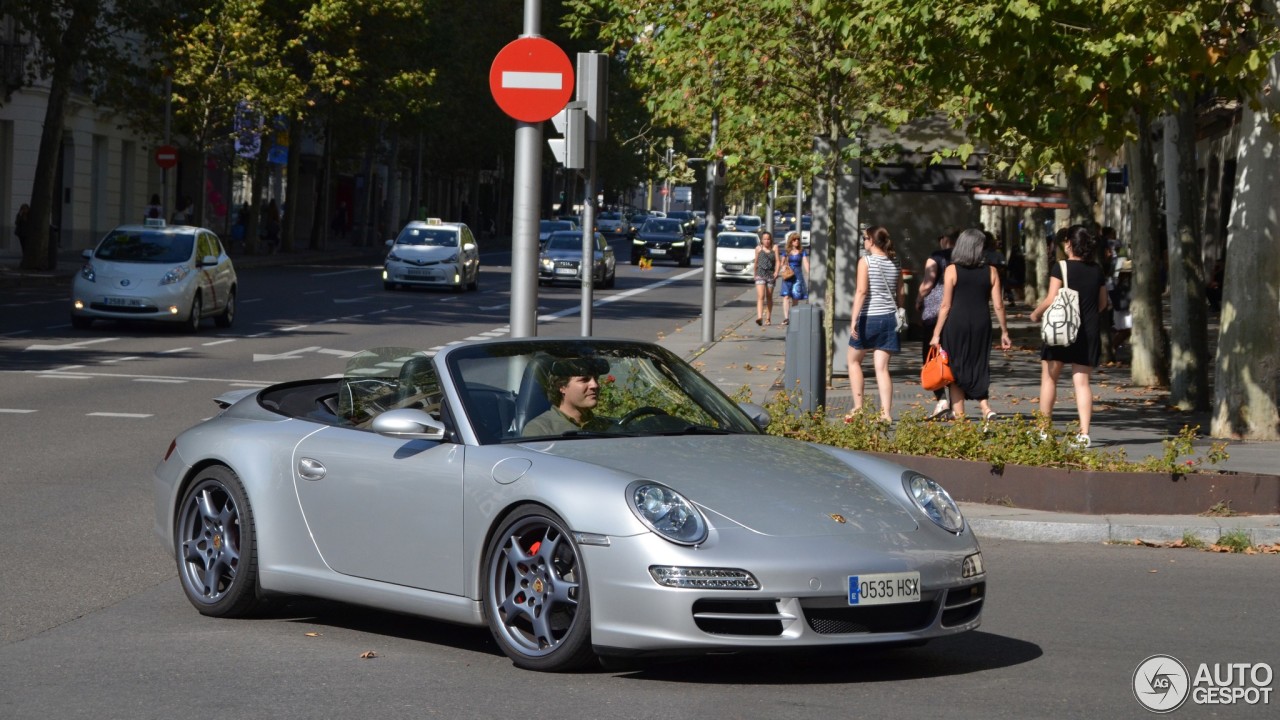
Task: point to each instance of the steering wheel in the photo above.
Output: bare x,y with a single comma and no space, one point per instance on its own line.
640,412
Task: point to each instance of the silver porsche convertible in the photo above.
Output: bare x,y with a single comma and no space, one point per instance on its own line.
585,498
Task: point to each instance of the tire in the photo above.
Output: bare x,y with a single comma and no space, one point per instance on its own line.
81,323
474,285
686,261
216,545
612,280
535,594
228,314
193,319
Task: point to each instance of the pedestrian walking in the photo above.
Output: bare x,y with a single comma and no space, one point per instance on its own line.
1085,277
186,211
794,289
873,323
22,226
963,328
929,302
765,271
270,230
154,209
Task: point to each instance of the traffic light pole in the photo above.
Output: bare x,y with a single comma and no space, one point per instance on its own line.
709,238
526,198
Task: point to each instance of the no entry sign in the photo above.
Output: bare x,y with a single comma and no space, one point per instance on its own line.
531,79
166,156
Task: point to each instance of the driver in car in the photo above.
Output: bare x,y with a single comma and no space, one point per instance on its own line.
573,387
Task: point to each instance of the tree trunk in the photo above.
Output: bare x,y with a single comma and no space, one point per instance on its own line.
1150,359
1188,306
1033,251
41,252
292,191
1080,196
1247,372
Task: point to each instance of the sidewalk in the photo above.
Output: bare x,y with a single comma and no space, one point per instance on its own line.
1136,419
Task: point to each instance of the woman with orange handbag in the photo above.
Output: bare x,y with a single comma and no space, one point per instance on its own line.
964,323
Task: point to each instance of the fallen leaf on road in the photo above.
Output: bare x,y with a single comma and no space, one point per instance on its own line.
312,634
368,655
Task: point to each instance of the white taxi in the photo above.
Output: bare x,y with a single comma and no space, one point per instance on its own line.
179,274
433,253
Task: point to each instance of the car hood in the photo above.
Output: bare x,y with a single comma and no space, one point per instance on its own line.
423,253
734,255
773,486
660,236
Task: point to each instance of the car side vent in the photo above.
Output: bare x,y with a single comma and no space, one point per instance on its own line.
963,605
739,617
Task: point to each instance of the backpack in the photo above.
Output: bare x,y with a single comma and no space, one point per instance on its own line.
1061,321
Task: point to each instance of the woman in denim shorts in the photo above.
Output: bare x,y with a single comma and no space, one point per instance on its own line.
874,324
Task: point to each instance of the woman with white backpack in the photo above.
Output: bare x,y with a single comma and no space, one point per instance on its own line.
1070,331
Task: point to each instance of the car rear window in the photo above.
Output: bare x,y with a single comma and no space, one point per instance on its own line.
145,247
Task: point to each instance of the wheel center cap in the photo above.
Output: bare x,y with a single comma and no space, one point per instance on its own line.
538,586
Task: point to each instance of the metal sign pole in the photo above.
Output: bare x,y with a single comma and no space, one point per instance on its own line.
709,240
526,199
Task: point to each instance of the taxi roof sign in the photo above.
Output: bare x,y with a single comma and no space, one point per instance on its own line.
153,222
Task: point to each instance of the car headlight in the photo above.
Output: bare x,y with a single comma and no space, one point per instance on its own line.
175,275
546,263
392,257
667,512
88,273
679,243
452,258
934,501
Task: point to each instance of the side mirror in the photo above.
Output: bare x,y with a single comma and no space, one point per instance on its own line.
390,243
758,415
87,253
469,247
208,260
408,424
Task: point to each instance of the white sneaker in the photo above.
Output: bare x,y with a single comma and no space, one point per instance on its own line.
1083,442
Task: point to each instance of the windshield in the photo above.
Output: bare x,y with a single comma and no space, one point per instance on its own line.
428,236
610,216
736,241
566,242
144,246
507,390
747,221
662,226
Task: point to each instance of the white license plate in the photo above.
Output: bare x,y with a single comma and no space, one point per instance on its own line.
735,268
884,588
655,251
122,302
415,272
566,271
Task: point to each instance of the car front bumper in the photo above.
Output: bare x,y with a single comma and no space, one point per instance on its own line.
163,302
799,604
440,274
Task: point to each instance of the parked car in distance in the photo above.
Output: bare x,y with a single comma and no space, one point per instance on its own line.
612,223
433,253
662,239
168,273
748,223
805,223
735,255
561,256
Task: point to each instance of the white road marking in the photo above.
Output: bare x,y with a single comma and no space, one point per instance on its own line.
290,355
295,328
250,300
339,353
175,350
64,368
219,342
118,415
15,411
169,381
574,310
71,346
120,360
342,272
61,376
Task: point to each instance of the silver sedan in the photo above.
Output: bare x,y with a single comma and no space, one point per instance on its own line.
584,498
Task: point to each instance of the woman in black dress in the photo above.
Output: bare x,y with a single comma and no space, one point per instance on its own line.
1085,277
964,323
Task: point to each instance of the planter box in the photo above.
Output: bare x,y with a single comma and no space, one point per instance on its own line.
1098,493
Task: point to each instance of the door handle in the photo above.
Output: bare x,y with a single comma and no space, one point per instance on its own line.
311,469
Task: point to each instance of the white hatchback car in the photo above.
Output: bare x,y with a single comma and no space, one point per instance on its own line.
177,274
433,253
735,255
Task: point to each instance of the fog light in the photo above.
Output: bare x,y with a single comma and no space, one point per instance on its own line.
173,309
703,578
384,273
972,566
78,304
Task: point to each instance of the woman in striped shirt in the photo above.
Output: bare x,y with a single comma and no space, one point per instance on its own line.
873,324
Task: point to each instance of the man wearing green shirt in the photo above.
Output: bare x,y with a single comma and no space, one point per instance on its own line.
573,388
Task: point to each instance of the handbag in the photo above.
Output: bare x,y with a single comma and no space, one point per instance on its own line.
936,372
787,272
1061,321
899,314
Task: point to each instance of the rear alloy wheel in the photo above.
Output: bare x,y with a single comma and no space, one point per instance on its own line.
228,314
474,285
536,597
193,320
216,545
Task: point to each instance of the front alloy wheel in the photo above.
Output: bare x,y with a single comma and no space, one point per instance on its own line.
216,545
536,597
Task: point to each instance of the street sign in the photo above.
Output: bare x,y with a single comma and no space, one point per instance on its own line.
166,156
531,79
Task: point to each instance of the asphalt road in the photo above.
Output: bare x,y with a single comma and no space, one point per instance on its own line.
93,623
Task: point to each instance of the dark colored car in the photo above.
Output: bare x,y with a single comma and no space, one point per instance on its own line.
561,257
663,239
